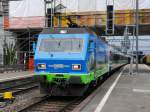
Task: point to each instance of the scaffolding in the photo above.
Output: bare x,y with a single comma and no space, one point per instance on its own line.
57,16
16,44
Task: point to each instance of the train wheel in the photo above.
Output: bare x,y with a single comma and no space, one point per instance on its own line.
43,88
94,83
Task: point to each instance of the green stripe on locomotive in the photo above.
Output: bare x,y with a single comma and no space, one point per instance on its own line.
75,78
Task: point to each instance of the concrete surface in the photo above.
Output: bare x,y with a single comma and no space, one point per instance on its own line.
127,93
15,75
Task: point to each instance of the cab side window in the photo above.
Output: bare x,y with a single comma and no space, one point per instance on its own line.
91,45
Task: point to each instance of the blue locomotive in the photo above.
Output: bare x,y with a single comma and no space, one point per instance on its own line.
68,60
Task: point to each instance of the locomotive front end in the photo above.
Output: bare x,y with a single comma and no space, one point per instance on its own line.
60,60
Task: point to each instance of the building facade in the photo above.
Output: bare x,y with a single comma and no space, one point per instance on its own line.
31,13
6,38
1,41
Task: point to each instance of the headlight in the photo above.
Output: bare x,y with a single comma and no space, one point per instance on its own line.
76,67
41,66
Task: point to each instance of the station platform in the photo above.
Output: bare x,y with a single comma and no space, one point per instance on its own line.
122,92
15,75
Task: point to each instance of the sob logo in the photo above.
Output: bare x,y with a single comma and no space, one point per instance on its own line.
57,66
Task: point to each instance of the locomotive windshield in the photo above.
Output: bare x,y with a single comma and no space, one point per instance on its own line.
61,45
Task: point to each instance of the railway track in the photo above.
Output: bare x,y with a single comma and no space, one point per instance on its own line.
23,100
29,99
16,83
21,89
61,104
55,104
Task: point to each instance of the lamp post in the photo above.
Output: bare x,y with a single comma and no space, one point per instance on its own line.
137,32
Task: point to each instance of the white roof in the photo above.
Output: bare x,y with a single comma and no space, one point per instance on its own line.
27,8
